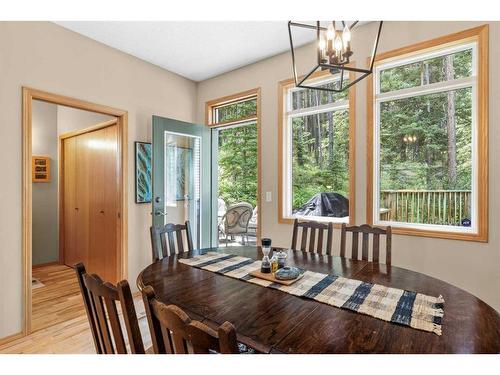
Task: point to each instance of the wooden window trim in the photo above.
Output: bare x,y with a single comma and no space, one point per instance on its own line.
233,98
230,99
283,87
480,36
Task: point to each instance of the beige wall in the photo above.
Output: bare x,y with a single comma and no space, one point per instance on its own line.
471,266
71,119
47,57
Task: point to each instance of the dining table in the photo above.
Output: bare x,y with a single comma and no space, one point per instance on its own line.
271,321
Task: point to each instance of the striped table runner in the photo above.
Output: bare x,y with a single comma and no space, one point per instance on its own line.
390,304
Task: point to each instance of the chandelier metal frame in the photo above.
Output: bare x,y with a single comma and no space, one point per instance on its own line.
333,68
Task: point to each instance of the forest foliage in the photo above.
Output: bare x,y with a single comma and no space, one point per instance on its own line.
237,157
425,141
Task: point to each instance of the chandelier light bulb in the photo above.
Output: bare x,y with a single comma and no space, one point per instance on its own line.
322,44
337,43
330,33
346,35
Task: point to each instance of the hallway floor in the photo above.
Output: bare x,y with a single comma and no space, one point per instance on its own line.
59,322
58,300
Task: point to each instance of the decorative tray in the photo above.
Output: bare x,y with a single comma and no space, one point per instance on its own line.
271,277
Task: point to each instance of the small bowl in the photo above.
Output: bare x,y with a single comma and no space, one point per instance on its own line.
287,273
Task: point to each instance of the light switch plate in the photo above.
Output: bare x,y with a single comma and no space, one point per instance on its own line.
269,197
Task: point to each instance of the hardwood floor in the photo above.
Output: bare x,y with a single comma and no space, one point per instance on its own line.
59,300
59,321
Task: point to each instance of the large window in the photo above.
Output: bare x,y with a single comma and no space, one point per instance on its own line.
315,145
429,140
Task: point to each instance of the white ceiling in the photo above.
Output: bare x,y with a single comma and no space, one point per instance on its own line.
193,49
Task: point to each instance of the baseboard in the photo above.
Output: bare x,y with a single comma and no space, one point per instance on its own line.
45,264
10,338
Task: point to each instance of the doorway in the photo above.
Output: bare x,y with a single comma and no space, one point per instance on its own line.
74,163
195,165
235,186
235,123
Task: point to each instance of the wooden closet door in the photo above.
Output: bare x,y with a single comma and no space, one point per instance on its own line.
69,202
76,199
82,197
91,201
111,195
103,199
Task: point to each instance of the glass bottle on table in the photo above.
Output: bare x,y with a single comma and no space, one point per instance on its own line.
281,255
266,262
274,262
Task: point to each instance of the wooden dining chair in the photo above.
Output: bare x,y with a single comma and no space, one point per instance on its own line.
173,332
100,299
310,227
159,237
366,230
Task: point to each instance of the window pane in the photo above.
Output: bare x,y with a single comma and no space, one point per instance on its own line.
320,164
438,69
238,164
425,159
236,111
306,98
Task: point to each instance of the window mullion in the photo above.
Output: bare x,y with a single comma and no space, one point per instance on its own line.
344,104
426,89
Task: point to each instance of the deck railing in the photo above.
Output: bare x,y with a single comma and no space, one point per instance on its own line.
445,207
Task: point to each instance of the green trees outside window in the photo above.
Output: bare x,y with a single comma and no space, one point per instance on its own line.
425,149
238,164
316,127
237,151
320,155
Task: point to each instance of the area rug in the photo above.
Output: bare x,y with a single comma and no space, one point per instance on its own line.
393,305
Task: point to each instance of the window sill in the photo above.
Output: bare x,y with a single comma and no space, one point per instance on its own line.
449,235
290,220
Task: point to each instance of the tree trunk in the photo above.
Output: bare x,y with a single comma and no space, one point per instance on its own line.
329,117
426,81
313,127
317,140
450,124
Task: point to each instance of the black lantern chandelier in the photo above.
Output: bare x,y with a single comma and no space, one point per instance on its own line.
333,45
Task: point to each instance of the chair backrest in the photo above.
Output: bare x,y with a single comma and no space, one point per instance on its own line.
100,299
221,205
174,245
237,218
366,230
173,332
255,214
310,227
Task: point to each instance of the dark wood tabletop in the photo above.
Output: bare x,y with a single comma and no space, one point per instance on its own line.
276,322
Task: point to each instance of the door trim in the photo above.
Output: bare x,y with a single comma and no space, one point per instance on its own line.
28,95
